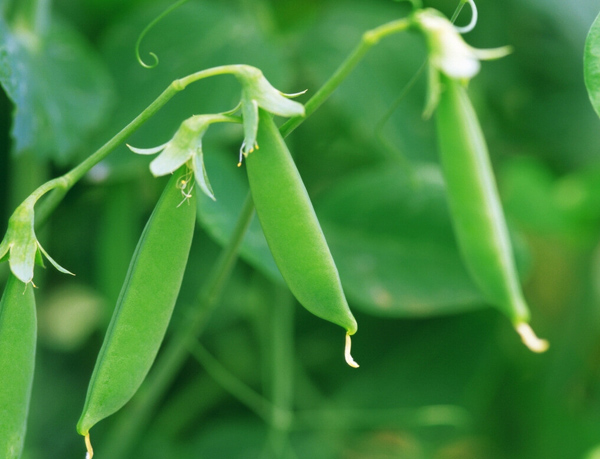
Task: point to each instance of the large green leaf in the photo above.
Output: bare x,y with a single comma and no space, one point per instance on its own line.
60,90
389,231
591,64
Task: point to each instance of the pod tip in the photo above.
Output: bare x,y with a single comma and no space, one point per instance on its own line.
349,360
530,338
88,446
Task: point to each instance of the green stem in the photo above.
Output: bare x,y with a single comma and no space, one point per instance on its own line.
231,383
457,10
221,70
363,419
156,20
368,40
282,371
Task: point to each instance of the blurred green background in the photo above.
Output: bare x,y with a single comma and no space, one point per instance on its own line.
442,374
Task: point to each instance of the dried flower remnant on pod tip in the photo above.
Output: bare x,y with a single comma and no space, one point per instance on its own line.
88,445
349,360
530,338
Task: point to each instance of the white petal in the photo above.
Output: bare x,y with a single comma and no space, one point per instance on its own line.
460,66
147,151
200,174
54,263
171,159
492,53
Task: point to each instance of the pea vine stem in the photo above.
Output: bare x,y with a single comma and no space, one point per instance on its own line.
369,39
281,371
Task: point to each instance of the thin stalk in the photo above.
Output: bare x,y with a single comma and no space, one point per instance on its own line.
368,40
231,383
221,70
457,11
364,419
282,371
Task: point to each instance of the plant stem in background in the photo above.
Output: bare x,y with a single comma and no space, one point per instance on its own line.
282,371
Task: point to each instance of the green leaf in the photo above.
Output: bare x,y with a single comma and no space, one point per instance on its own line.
391,237
60,90
591,64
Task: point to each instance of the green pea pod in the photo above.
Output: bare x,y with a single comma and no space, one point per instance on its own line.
18,327
292,230
145,305
476,210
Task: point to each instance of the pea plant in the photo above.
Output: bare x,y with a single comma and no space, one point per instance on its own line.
439,245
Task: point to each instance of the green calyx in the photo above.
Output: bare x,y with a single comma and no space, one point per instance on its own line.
20,245
186,148
257,93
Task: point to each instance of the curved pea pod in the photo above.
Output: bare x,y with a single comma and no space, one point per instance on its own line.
18,327
292,230
145,305
476,210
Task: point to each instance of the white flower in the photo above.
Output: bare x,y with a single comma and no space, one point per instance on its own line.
20,245
185,148
448,52
258,92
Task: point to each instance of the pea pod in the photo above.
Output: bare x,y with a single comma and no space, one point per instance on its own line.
292,230
144,307
18,326
477,214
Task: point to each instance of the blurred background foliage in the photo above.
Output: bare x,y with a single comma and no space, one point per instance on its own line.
442,374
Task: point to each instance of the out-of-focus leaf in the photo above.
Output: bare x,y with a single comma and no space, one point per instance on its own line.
591,64
60,90
68,316
390,233
544,204
528,195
